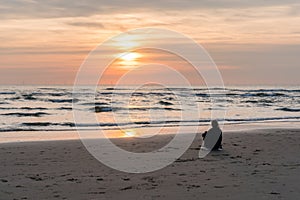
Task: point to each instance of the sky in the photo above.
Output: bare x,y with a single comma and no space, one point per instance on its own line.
252,42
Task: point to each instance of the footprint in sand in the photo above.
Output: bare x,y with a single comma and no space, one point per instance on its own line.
126,188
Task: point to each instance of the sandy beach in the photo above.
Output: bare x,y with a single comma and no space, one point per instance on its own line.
261,164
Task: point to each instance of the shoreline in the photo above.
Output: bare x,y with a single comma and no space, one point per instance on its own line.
36,136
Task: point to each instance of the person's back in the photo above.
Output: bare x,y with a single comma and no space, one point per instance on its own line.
213,137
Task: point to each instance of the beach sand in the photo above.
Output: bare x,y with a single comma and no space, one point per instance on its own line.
261,164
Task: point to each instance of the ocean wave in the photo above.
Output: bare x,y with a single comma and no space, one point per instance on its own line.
159,122
33,108
37,124
250,101
106,93
277,104
99,109
264,90
232,94
260,119
160,93
69,124
165,103
169,98
8,108
136,94
28,97
54,94
95,104
51,88
260,101
261,94
289,109
63,100
215,108
202,95
65,108
13,98
102,109
152,108
7,93
37,114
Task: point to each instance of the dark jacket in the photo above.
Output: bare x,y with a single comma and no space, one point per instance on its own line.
210,142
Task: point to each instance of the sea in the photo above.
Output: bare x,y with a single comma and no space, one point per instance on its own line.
51,108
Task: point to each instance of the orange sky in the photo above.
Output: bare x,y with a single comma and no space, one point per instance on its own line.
45,42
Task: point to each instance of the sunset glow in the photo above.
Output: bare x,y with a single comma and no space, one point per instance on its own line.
47,45
129,133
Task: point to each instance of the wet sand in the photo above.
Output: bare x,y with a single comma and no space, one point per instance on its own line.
261,164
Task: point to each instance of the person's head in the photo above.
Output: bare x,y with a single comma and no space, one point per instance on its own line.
214,124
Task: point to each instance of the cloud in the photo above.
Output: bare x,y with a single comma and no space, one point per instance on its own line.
87,24
69,8
224,67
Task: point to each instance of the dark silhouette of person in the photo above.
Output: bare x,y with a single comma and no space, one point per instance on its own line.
213,137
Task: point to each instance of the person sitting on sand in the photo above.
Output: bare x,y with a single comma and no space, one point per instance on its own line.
213,137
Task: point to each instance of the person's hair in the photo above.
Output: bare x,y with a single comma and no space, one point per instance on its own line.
214,123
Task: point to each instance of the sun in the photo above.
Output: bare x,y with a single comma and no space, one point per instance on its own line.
132,56
129,60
